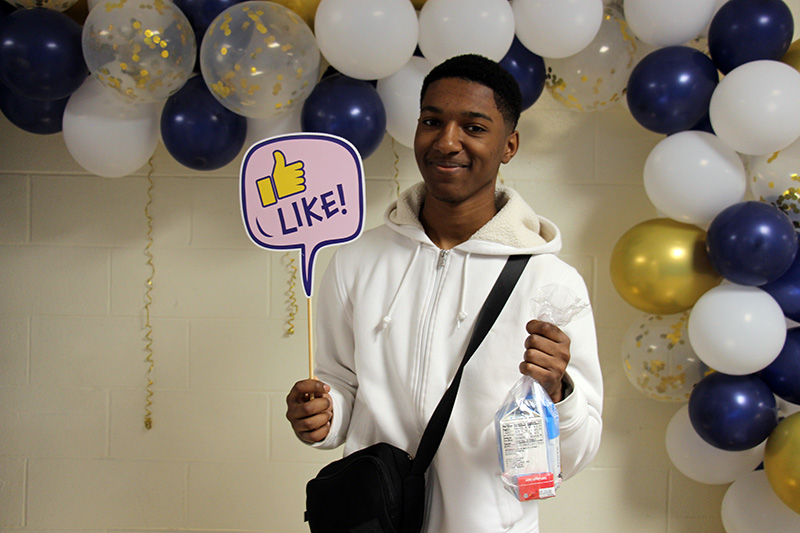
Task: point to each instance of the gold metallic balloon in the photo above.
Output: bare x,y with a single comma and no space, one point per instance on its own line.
782,461
418,3
660,266
792,55
305,8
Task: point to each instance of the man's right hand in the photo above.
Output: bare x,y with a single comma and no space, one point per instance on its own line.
310,410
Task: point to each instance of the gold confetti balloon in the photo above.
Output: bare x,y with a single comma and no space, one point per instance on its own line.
144,50
259,59
660,266
596,77
775,179
658,359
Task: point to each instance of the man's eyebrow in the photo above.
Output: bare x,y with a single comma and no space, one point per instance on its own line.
471,114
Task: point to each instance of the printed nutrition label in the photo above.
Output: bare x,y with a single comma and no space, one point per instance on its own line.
524,447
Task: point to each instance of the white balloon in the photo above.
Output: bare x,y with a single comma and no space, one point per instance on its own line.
259,129
755,109
366,39
557,28
691,176
108,136
702,462
668,23
750,505
737,329
449,28
400,96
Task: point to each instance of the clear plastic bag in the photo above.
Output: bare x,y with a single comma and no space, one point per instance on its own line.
527,424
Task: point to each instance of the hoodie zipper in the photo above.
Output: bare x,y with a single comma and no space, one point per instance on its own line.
426,329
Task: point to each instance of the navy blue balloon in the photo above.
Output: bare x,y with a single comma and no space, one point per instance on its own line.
34,116
198,131
732,413
350,108
6,9
41,55
782,376
786,290
751,243
670,89
749,30
528,69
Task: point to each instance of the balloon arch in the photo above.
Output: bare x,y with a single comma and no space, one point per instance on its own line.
717,277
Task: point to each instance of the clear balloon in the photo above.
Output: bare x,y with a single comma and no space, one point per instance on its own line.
669,90
352,35
259,129
751,243
751,505
400,96
702,462
775,179
106,135
449,28
595,77
658,359
781,461
737,329
755,109
259,59
733,413
660,266
40,54
668,23
744,31
691,176
143,50
556,29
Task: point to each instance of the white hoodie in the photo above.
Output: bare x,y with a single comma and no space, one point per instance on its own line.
395,315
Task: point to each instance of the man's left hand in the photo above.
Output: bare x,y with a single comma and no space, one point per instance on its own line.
546,356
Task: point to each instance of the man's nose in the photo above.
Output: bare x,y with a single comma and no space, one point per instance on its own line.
449,139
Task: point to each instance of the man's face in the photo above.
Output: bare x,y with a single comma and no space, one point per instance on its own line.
461,140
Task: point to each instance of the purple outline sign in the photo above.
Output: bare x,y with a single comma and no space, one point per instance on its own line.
303,191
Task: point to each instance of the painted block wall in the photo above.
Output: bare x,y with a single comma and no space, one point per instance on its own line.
74,452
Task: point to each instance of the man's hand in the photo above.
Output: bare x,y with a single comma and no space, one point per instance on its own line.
546,356
310,410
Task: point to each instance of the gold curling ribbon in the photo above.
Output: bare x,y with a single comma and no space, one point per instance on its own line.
396,167
291,295
148,415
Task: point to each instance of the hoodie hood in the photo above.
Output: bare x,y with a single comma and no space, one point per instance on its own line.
515,229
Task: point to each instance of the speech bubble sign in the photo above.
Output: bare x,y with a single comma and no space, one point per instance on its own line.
302,191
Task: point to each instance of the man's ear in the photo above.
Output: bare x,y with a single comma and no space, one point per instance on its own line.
512,145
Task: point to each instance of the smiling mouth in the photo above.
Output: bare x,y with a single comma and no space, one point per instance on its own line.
447,164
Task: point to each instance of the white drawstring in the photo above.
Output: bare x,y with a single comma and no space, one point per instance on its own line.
462,314
387,319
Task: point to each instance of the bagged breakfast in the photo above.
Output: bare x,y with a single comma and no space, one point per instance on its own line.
527,423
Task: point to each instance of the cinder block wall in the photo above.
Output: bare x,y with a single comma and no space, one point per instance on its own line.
74,452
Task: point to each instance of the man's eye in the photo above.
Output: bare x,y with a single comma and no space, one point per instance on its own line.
428,121
474,128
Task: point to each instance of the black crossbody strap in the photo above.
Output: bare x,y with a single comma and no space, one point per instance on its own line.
486,318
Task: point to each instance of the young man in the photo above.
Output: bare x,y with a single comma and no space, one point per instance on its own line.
397,307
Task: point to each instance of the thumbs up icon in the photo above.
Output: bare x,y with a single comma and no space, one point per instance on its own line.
286,180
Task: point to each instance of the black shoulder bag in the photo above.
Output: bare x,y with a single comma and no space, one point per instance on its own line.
381,489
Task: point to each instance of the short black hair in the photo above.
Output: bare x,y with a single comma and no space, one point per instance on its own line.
479,69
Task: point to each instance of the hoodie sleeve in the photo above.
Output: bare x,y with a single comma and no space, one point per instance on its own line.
335,352
580,413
